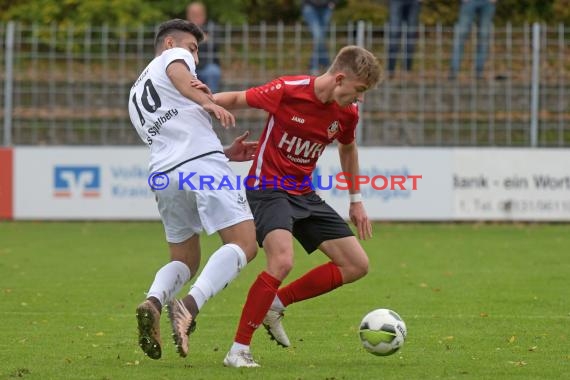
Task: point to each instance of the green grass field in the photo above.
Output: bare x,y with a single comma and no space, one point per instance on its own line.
480,302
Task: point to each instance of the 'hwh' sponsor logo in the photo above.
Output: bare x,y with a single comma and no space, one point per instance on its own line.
300,147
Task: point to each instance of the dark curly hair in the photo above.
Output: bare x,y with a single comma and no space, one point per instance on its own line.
177,25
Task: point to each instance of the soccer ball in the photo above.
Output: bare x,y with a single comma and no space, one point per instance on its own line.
382,332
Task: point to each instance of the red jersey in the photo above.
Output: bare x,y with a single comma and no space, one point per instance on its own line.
298,129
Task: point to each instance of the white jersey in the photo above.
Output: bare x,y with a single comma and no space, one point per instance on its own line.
175,128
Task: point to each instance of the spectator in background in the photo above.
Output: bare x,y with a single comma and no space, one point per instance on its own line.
317,14
403,12
208,69
483,10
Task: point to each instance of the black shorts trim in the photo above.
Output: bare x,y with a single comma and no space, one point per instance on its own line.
309,218
191,159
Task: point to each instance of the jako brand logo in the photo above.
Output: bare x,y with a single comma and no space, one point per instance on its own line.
77,181
298,119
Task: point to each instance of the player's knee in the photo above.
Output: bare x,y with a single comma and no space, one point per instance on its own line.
250,249
362,268
280,266
357,270
248,245
285,265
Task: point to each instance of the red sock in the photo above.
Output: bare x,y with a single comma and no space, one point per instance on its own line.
319,280
259,299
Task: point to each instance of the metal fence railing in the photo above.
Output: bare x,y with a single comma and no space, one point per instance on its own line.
70,86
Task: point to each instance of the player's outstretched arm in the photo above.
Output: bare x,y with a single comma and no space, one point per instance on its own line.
197,83
231,100
182,78
348,154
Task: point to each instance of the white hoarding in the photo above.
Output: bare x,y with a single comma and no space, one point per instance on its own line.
112,183
385,167
511,184
398,183
82,183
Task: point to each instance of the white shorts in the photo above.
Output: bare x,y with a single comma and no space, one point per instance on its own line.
189,204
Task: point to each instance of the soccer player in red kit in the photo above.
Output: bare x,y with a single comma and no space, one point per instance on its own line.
306,113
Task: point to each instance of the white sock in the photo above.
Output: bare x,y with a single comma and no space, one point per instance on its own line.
168,281
239,347
277,305
222,267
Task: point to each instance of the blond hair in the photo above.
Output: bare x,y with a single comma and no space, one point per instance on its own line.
358,62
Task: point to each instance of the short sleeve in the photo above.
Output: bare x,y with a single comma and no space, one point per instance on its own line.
266,97
349,123
177,54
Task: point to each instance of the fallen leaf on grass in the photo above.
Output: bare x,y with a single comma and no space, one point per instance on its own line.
520,363
483,315
512,339
20,372
533,348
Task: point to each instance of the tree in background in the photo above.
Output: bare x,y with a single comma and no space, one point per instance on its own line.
561,11
368,10
82,12
136,12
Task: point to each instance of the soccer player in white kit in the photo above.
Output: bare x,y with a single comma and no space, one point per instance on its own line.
174,119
